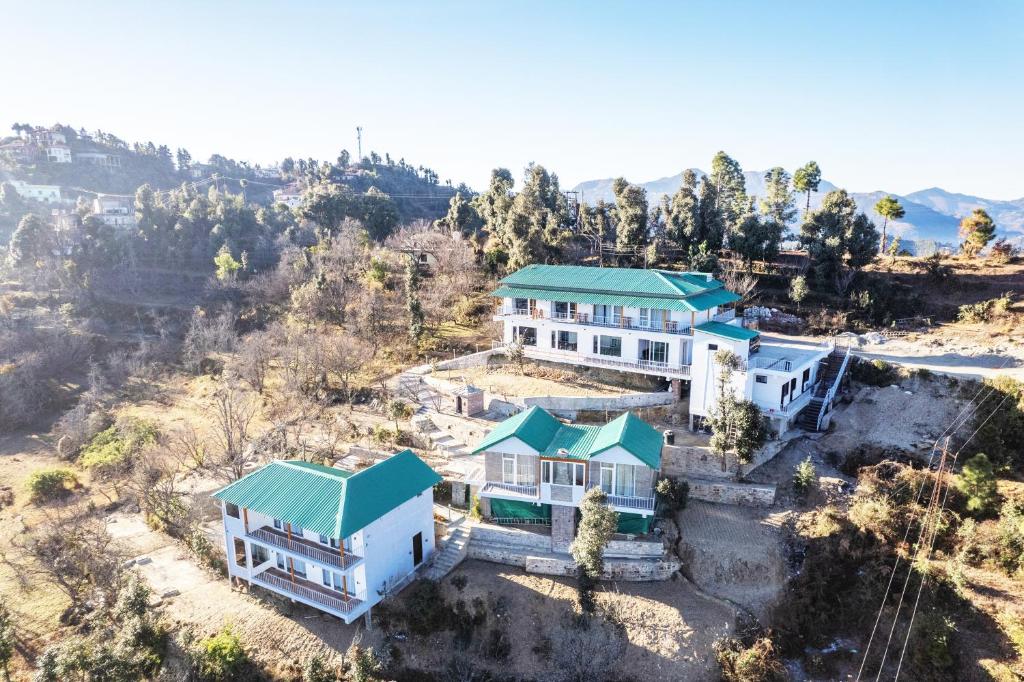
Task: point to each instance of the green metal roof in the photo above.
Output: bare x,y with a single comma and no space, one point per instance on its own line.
727,331
580,441
330,501
613,286
535,427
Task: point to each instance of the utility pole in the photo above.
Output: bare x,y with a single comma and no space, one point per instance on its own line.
359,143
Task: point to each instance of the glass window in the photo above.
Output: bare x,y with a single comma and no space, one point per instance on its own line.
508,469
610,345
280,562
625,480
260,554
607,477
278,524
545,472
300,567
712,346
566,340
522,306
645,317
231,509
659,351
563,473
324,540
579,474
526,335
761,378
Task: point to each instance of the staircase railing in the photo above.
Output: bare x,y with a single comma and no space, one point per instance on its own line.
831,393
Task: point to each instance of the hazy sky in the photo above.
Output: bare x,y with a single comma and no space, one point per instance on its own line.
896,96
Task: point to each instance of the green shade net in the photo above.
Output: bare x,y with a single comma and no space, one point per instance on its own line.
511,510
634,524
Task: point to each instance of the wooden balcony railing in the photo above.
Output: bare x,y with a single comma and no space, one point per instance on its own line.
282,582
304,548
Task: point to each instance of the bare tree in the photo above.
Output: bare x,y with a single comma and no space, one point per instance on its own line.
586,649
255,355
344,356
740,282
156,485
232,413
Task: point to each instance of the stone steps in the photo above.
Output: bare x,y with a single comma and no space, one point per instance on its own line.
455,549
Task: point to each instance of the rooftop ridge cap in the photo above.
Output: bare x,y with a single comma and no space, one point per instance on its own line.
292,465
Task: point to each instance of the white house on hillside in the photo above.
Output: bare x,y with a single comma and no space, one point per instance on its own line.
332,539
48,194
664,324
290,196
114,211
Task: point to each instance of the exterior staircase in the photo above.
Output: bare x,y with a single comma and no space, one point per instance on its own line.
830,376
454,550
426,399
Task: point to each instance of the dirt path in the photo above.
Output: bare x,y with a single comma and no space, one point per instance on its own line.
276,634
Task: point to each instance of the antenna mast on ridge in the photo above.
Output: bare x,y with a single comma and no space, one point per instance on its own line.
359,143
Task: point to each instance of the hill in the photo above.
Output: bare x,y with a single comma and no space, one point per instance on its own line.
932,214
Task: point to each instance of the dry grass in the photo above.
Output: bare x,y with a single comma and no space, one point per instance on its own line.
505,380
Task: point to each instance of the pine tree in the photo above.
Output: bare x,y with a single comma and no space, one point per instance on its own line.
730,190
977,230
977,482
412,299
777,204
630,214
682,217
889,208
807,178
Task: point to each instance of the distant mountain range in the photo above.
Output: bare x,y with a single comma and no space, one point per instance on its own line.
931,214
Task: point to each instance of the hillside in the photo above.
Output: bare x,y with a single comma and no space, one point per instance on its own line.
932,214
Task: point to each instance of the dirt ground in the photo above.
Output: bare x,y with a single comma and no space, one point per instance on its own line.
504,381
670,625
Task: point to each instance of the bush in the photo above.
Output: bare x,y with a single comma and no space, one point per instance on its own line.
985,311
977,482
317,670
111,450
426,610
498,646
1001,431
804,477
873,372
930,649
1009,549
221,658
757,663
673,494
50,484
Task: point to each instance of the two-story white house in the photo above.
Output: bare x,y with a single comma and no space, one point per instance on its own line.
115,211
332,539
536,469
663,324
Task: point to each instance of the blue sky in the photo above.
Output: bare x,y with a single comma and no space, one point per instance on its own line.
884,95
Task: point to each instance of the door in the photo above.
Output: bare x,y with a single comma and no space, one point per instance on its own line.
417,549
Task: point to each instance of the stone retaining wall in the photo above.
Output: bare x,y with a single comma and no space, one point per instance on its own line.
632,549
724,492
512,537
699,461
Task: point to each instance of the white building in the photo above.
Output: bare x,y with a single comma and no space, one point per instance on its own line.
58,153
331,539
114,211
98,159
534,468
659,323
290,196
48,194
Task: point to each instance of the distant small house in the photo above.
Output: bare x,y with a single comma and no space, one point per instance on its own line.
115,211
290,196
58,153
48,194
102,159
334,540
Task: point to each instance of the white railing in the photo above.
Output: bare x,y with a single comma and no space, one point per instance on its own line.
726,316
527,490
286,585
796,405
330,557
831,394
646,503
643,366
780,364
609,321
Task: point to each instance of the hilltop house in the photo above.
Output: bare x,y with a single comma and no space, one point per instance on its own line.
115,211
290,196
536,469
331,539
659,323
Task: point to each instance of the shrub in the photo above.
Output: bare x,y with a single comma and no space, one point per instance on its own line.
757,663
49,484
977,482
873,372
804,477
999,432
365,664
498,646
985,311
930,649
426,610
112,449
317,670
1010,538
459,582
673,494
222,657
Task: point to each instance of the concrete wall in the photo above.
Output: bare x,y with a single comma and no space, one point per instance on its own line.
724,492
464,361
632,549
689,461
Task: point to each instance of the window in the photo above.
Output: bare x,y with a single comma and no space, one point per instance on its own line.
609,345
278,524
240,553
761,378
645,317
508,469
625,480
564,310
231,510
712,346
564,473
566,340
545,472
659,352
525,335
607,478
281,562
332,579
324,540
806,377
521,306
260,555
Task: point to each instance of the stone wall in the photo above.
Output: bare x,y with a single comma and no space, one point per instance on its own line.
492,466
632,549
724,492
563,527
629,570
472,360
513,537
699,461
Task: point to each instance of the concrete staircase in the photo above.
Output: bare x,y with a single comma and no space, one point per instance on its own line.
830,374
454,549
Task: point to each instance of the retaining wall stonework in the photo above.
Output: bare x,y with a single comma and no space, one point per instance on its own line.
724,492
699,461
632,549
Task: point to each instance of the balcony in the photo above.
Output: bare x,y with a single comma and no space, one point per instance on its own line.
307,591
510,490
638,502
613,322
304,548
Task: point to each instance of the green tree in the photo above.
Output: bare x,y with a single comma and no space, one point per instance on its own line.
798,290
226,264
495,204
712,225
736,425
837,236
461,218
31,241
890,209
598,523
756,238
977,482
777,203
806,179
803,477
221,658
328,205
682,214
630,214
10,200
7,641
376,210
412,299
730,189
977,230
